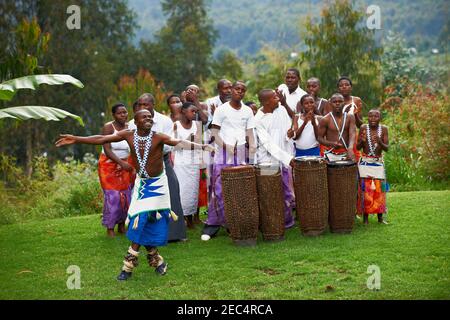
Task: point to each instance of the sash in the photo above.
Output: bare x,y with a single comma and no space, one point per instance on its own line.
337,156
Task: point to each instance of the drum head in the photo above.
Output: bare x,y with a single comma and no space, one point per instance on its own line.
308,158
238,168
341,163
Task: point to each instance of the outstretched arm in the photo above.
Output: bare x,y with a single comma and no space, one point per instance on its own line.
68,139
185,144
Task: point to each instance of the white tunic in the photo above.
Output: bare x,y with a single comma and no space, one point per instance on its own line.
268,139
187,169
307,139
292,98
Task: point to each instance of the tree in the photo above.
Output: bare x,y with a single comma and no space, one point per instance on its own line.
181,53
340,44
128,89
97,54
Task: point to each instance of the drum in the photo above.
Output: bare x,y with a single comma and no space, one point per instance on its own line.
311,194
342,192
240,200
271,202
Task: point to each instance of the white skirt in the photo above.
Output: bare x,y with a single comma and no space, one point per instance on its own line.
189,179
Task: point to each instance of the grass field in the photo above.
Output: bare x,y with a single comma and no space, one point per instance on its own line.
413,254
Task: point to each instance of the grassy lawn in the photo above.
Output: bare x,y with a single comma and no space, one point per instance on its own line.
413,254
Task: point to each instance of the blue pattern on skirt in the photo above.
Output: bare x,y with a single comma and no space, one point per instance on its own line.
150,231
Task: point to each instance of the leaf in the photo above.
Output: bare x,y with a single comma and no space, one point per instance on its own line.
38,112
9,88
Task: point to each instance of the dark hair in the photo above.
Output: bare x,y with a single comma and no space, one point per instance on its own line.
262,95
314,79
117,106
304,97
170,97
239,81
344,78
187,104
222,82
335,95
294,71
135,105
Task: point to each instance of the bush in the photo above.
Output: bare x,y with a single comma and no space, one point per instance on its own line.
419,138
67,189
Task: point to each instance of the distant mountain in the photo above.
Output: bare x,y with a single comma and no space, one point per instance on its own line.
246,25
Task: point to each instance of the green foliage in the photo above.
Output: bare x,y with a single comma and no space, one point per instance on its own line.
419,137
64,190
266,70
128,89
97,54
181,53
30,44
340,44
400,63
246,28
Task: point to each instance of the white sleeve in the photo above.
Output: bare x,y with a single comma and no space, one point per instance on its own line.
218,117
274,150
251,121
168,130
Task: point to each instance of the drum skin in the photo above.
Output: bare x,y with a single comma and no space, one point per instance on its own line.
311,195
241,208
271,203
342,191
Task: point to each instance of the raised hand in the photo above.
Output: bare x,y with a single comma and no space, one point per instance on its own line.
282,97
290,133
65,139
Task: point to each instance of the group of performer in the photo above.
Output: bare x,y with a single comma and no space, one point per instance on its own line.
156,170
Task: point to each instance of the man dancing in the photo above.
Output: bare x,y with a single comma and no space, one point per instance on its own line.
149,211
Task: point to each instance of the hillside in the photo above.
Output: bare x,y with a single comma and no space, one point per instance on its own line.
247,26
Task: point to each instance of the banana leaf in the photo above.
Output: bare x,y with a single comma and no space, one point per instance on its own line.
38,112
9,88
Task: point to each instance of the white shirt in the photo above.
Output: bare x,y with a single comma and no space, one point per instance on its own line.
292,98
161,124
269,151
307,139
233,123
210,102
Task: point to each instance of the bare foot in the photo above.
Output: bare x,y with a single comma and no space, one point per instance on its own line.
121,228
110,233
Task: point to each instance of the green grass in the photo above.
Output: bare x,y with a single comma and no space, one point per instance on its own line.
412,252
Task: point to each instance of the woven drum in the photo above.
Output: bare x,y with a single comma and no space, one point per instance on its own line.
271,202
240,199
342,191
311,194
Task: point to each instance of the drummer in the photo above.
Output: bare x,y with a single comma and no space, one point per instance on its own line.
337,131
273,142
306,128
373,140
232,126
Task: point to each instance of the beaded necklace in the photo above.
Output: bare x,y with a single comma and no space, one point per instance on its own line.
147,140
372,147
